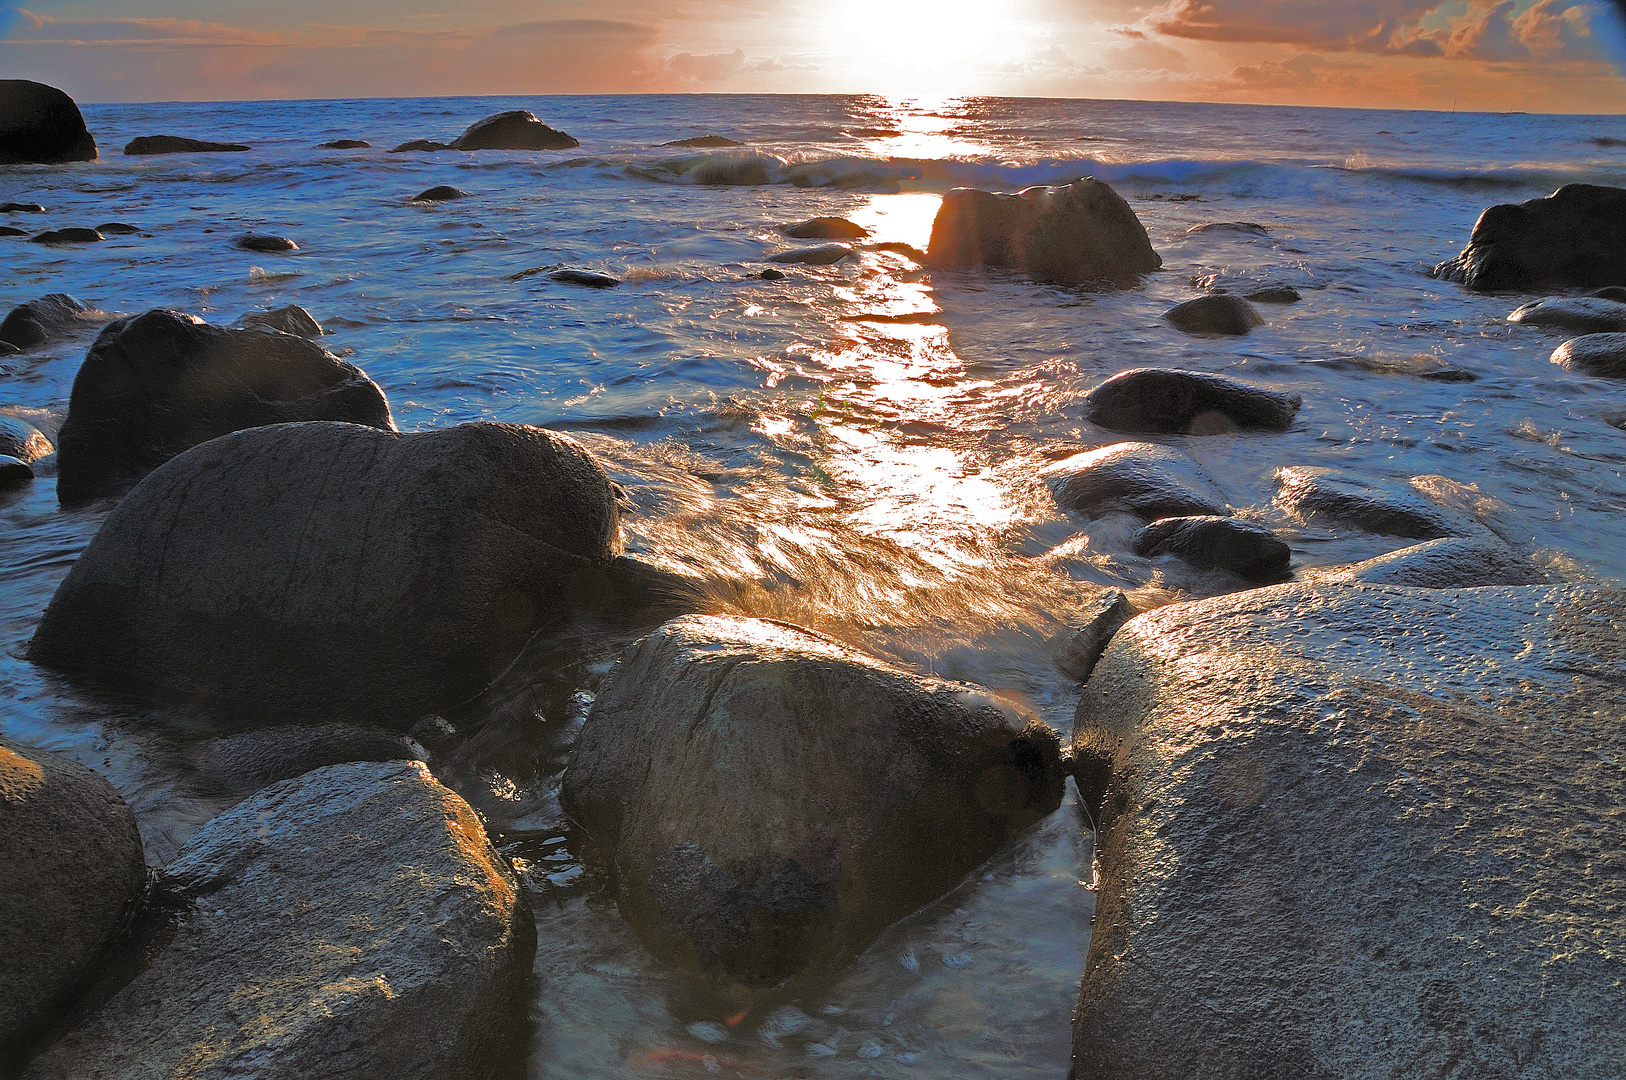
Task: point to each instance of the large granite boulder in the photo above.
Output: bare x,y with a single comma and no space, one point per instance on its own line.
1359,832
41,125
1574,237
156,384
516,129
770,799
1164,401
338,571
352,922
1146,479
53,316
1077,234
71,871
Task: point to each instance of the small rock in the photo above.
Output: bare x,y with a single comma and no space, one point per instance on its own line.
51,316
900,248
1218,314
1595,354
291,319
771,274
69,236
265,243
1084,647
1159,400
817,255
425,146
41,125
23,441
1582,314
1248,227
516,129
825,228
14,472
174,144
21,208
345,144
117,228
1274,294
440,193
7,230
587,278
704,142
1244,548
246,762
1314,494
1145,479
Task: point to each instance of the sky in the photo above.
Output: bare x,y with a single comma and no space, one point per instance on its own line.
1496,55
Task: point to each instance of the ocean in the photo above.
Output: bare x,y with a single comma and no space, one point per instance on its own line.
853,448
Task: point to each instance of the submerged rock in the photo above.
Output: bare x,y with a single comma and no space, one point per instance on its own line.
1146,479
1083,647
440,193
1313,494
52,316
291,319
1218,314
1244,548
1274,294
71,872
7,230
157,384
41,125
1247,228
1583,314
337,571
516,129
175,144
23,441
587,278
817,255
1158,400
117,228
355,921
708,142
1455,562
771,799
825,228
1081,233
14,472
771,274
1574,237
69,236
1359,833
1595,354
345,144
424,146
264,243
21,208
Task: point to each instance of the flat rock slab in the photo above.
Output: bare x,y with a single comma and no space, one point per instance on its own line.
516,129
817,255
1594,354
352,922
1574,237
1164,401
771,799
336,571
175,144
1218,314
1314,494
1146,479
1360,832
1245,548
71,870
1582,314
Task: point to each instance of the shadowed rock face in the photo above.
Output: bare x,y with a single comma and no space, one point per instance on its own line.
40,124
514,130
353,922
1574,237
290,319
1082,233
337,571
770,799
51,316
157,384
1143,478
1359,832
1226,543
70,871
1161,401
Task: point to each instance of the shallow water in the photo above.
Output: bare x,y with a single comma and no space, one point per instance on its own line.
853,448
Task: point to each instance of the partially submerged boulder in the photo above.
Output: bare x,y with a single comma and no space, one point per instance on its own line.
1581,314
72,235
289,319
1274,294
53,316
1245,548
1594,354
156,384
71,872
707,142
1145,479
1220,313
825,228
771,799
590,279
517,129
1162,401
1314,494
1359,833
1575,237
266,243
346,144
1452,562
440,193
420,146
41,125
817,255
1077,234
337,571
147,145
353,922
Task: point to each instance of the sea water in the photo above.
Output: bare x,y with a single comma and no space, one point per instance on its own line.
853,448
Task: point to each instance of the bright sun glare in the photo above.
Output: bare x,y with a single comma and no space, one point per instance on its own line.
920,35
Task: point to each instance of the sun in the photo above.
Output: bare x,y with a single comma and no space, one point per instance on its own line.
919,35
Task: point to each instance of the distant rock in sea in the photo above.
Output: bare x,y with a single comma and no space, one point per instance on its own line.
345,144
147,145
69,236
41,125
517,129
422,146
440,193
709,142
265,243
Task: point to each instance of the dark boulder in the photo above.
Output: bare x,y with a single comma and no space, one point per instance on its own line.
345,144
586,278
1595,354
1358,832
1081,648
704,142
422,146
1319,495
335,571
1244,548
1610,292
772,275
1580,314
243,763
1274,294
264,243
825,228
1145,479
117,228
1218,314
516,129
1082,233
52,316
14,472
817,255
40,125
69,236
771,800
1575,237
440,193
148,145
156,384
1453,562
353,922
291,319
23,441
7,230
1162,401
71,872
21,208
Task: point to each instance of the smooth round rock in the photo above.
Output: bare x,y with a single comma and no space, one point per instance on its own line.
516,129
290,319
1244,548
817,255
1163,401
21,440
175,144
41,125
1595,354
1314,494
825,228
265,243
14,472
1218,314
69,236
1145,479
440,193
1584,314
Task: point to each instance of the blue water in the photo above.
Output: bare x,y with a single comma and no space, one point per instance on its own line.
815,458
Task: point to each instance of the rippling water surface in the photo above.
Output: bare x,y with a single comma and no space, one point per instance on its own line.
853,448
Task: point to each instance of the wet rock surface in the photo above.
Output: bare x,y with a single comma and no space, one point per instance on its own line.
1574,237
117,228
1583,314
516,129
1146,479
265,243
175,144
156,384
440,193
1082,233
1594,354
290,319
1317,495
53,316
589,279
420,146
817,255
1244,548
73,235
1359,832
346,144
1219,314
21,208
825,228
704,142
1163,401
41,125
21,440
336,571
771,799
1456,562
352,922
1084,646
71,871
1274,294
